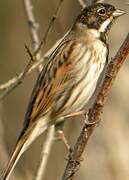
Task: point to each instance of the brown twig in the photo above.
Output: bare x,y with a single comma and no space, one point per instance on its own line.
96,111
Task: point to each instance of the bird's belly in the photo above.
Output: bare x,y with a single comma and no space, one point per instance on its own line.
86,87
81,94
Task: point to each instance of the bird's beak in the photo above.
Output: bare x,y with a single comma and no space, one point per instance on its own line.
118,12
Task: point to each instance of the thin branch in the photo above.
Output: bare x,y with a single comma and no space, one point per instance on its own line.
52,21
13,83
33,28
10,85
96,111
7,87
82,3
45,153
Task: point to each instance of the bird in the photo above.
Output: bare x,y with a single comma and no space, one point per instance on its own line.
69,77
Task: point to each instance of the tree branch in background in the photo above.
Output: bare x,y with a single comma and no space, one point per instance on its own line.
13,83
10,85
45,153
96,111
33,29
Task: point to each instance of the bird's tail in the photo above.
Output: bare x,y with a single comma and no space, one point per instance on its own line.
22,145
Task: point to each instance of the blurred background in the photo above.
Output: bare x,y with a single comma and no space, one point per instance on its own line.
107,153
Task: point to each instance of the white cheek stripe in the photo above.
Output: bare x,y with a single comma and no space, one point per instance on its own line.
104,26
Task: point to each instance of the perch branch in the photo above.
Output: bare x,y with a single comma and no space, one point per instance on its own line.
96,111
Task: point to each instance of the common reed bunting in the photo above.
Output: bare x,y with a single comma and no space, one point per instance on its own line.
69,77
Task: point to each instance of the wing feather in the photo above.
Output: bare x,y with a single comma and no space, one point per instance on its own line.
53,79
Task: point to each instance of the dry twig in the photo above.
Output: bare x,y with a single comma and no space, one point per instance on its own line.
96,111
10,85
14,82
33,29
45,153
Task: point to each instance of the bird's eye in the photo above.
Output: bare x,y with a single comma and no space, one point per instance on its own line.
101,11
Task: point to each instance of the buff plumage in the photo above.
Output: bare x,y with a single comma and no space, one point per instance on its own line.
69,78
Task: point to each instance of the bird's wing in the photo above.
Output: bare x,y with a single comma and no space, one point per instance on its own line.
55,76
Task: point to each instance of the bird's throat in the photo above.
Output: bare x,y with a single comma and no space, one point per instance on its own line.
105,25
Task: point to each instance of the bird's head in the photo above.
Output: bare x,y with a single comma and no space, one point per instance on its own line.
99,16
